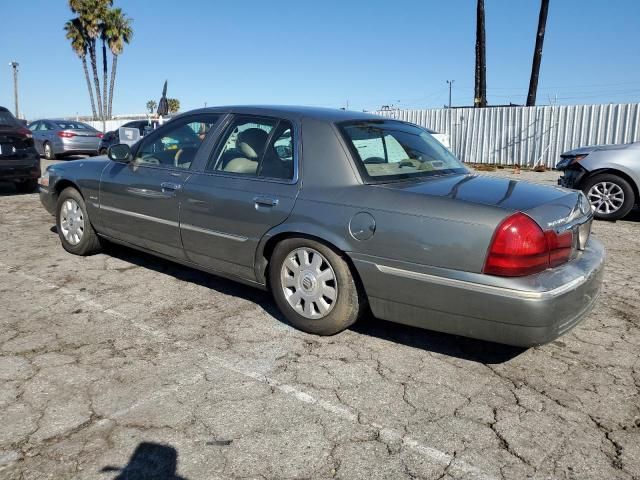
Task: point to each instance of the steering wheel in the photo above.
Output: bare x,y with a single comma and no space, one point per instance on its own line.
184,152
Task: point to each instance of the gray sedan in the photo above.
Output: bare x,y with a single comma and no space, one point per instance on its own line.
608,174
338,213
58,138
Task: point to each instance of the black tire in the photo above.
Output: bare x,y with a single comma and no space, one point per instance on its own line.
102,152
27,186
89,241
350,300
627,190
48,151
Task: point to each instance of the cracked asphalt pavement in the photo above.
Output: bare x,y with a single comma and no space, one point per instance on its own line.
122,365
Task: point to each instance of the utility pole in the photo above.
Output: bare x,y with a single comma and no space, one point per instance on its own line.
537,54
480,94
15,66
450,82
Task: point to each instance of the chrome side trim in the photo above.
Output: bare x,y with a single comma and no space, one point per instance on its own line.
139,215
478,287
206,231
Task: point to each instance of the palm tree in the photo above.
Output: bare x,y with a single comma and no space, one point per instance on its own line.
537,53
118,32
151,105
79,45
90,14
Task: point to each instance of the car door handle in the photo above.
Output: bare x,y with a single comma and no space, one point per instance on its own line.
170,187
265,201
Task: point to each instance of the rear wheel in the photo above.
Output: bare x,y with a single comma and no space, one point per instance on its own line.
314,287
48,151
27,186
74,226
611,196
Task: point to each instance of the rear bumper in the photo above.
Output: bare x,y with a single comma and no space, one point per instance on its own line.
20,169
79,147
524,312
572,178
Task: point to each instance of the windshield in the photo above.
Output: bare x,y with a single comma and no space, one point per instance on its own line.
7,119
391,150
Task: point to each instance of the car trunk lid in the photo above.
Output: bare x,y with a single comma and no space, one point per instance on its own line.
13,142
550,206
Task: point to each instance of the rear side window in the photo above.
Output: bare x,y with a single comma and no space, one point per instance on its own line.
388,150
73,126
256,147
7,119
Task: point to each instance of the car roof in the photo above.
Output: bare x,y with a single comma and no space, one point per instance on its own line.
317,113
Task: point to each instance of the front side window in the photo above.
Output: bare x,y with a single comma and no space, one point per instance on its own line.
177,145
388,150
257,147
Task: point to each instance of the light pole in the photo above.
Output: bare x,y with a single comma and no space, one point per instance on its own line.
15,66
450,82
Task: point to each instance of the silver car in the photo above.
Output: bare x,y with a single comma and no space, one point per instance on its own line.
58,138
339,213
608,174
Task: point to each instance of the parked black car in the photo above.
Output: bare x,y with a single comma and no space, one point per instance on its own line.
19,160
113,137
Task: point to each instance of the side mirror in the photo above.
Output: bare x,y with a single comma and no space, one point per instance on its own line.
120,153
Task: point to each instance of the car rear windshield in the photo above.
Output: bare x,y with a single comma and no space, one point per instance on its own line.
7,119
388,150
73,126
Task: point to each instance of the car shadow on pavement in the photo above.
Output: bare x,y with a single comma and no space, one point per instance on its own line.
437,342
452,345
9,189
149,461
192,275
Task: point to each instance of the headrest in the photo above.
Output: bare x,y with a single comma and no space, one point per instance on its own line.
251,142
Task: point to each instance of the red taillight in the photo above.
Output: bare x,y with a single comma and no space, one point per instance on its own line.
26,132
520,247
100,135
560,247
66,134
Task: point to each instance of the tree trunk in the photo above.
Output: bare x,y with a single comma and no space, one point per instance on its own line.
86,75
96,79
104,80
480,95
537,54
114,65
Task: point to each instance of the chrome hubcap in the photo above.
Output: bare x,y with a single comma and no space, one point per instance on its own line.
309,283
606,197
71,221
47,150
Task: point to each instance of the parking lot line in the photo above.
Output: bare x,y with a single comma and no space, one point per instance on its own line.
449,461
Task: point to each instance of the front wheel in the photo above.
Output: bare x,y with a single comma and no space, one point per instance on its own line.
74,226
313,287
611,196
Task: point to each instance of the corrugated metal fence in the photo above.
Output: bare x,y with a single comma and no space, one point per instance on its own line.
527,135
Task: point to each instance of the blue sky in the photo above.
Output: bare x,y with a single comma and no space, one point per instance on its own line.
328,52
